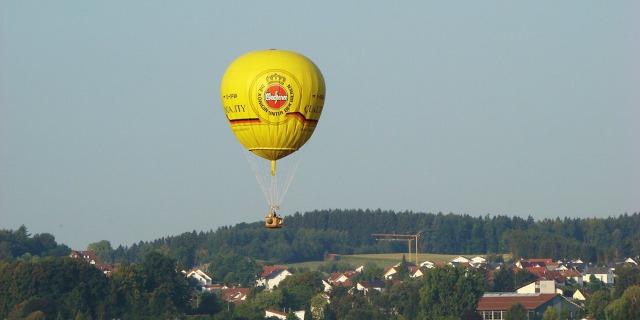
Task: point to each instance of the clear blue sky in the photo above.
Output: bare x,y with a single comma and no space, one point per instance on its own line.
111,126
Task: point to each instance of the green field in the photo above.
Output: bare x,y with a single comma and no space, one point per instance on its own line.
381,259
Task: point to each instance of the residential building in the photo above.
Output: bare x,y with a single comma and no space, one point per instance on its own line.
540,286
493,306
604,274
366,286
572,275
549,264
199,275
416,272
282,315
580,295
235,295
428,264
342,278
92,258
461,260
87,255
272,275
478,260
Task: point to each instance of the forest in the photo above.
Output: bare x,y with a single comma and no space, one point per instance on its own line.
311,235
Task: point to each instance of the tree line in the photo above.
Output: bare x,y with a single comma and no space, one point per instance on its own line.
19,244
311,235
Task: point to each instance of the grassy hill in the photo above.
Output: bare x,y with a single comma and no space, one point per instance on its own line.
380,259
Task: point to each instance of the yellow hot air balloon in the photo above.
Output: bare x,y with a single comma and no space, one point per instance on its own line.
273,100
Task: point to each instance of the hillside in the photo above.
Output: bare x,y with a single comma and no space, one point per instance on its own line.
310,236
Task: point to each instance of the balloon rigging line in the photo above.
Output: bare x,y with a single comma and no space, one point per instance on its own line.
278,185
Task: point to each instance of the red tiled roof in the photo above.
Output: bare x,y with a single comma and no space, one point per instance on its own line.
544,274
276,312
570,273
267,270
105,267
504,301
85,254
536,270
235,294
538,263
334,277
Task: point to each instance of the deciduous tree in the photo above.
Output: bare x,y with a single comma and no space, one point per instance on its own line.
625,307
102,249
299,288
597,302
550,314
450,291
626,276
516,312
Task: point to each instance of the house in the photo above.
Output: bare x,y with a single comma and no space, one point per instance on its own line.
493,266
537,263
540,286
413,271
199,275
461,260
416,272
428,264
494,305
272,275
542,273
283,315
326,286
389,272
604,274
235,295
275,313
572,275
342,278
87,255
106,268
580,295
627,261
366,286
214,287
477,260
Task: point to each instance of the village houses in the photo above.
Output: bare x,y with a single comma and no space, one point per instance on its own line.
549,288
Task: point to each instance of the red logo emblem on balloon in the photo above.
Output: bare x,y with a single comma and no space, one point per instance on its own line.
275,96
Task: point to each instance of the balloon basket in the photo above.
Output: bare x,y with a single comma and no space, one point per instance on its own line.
273,221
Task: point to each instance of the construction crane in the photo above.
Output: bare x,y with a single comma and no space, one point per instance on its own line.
409,238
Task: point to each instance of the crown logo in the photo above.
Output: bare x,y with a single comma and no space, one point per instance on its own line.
276,78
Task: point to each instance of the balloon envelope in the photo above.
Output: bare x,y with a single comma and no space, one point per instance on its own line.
273,100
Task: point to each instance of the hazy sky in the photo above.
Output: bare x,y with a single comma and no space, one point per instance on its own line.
111,126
